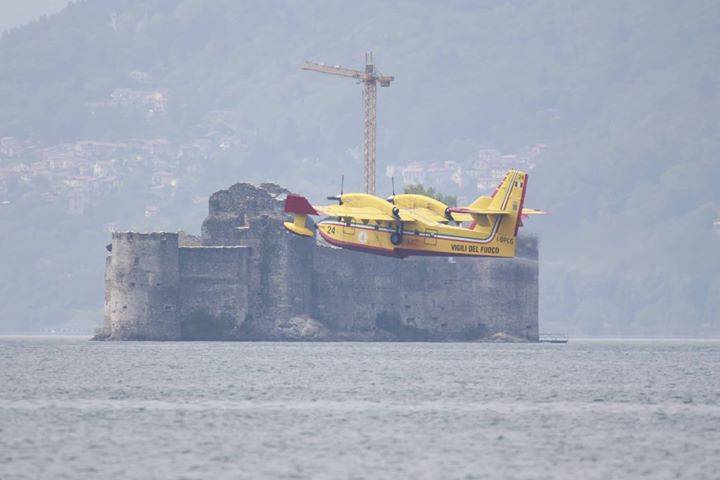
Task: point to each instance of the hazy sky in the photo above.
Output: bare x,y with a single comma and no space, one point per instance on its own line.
14,13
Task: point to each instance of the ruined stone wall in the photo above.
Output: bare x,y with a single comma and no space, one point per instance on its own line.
234,208
427,298
214,280
350,289
280,270
141,286
278,264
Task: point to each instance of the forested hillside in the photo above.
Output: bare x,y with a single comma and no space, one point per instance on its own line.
624,96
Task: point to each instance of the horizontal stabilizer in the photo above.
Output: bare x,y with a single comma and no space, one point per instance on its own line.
532,211
488,211
478,211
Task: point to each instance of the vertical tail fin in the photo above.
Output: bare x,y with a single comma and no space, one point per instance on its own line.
509,199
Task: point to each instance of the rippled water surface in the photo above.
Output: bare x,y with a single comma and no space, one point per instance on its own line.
73,409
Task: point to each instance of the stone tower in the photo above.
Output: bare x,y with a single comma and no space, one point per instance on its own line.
141,286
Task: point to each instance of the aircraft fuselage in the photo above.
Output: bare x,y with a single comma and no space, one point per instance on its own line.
386,238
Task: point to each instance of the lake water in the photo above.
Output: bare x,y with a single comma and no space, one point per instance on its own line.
73,409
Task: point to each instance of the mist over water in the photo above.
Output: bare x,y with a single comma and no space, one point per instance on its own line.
603,409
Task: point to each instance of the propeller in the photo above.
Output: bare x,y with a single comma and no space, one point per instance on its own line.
339,197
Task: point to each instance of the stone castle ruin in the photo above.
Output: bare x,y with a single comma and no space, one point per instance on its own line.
247,278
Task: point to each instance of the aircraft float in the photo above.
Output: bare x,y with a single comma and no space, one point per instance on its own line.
409,224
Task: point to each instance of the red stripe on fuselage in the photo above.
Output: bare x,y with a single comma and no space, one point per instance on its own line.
408,252
397,251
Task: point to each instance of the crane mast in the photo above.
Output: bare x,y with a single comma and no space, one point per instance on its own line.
369,78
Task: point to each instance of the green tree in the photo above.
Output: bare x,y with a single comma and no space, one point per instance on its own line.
420,189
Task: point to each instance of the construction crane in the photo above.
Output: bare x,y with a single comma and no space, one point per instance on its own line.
369,78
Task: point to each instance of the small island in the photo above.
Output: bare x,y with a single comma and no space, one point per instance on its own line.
246,278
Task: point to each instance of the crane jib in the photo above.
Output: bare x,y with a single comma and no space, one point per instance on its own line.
369,78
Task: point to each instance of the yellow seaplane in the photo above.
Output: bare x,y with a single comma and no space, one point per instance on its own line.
410,224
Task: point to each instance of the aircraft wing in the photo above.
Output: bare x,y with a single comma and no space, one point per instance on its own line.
301,208
459,214
361,213
299,205
425,215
